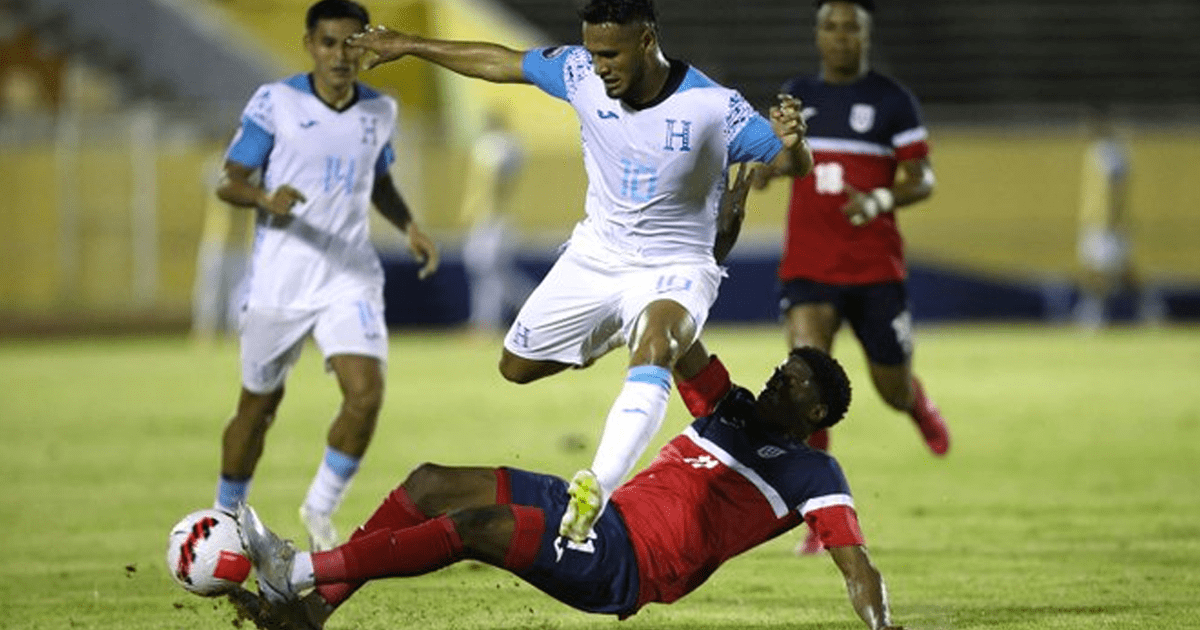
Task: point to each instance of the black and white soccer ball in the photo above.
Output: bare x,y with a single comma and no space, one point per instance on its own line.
205,553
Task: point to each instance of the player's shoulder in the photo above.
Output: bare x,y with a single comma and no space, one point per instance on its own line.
694,84
371,97
888,86
802,84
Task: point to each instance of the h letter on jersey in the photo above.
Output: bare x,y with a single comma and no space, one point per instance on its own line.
683,135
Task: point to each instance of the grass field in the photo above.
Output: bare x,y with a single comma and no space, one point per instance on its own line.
1070,498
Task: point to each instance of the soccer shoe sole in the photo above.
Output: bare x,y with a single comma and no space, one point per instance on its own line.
271,555
583,508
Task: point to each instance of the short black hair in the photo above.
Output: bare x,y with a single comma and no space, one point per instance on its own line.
336,10
619,12
868,5
833,386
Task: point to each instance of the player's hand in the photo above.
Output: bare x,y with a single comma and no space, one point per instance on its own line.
786,121
862,207
380,45
281,200
424,250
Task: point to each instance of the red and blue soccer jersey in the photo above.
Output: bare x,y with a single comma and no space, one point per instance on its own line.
720,488
858,133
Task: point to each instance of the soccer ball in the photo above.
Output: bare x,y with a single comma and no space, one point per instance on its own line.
205,553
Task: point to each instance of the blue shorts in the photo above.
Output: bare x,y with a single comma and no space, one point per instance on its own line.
599,576
878,313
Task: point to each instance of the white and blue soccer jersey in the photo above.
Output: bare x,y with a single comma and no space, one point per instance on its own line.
655,173
322,253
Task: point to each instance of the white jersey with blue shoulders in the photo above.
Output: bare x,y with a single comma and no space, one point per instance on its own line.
321,253
655,173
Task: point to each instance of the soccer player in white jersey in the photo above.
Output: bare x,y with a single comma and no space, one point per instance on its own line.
658,139
322,143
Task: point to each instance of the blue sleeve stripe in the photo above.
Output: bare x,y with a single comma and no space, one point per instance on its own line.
543,67
651,374
386,157
252,145
755,142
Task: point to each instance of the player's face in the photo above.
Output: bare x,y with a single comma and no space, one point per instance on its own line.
843,36
335,65
789,401
619,56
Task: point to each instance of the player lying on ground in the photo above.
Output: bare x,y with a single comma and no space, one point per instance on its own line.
731,481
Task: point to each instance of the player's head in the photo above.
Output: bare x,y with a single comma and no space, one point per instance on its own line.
622,36
327,25
808,392
844,36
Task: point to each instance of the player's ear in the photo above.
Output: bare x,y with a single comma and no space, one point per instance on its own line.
817,413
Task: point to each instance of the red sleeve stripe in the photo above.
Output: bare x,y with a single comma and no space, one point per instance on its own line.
836,526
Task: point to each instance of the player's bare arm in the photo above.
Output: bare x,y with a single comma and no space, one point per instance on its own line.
795,160
732,211
480,60
913,183
237,189
392,206
864,585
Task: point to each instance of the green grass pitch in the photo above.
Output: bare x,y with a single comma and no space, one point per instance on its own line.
1070,497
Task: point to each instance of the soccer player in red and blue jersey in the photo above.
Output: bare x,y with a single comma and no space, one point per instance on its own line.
730,482
843,256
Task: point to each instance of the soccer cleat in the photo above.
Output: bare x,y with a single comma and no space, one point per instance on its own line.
322,536
930,422
811,545
271,555
583,508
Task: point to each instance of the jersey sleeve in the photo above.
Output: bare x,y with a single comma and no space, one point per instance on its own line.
750,138
387,156
556,70
255,137
835,525
910,137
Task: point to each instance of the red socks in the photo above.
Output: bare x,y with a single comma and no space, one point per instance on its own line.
396,512
388,553
702,392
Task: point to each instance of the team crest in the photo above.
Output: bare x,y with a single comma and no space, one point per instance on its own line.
862,117
770,452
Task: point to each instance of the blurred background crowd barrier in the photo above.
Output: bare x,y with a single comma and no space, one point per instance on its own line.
114,115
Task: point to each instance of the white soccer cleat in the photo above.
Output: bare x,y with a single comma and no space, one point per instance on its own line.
584,507
271,555
322,535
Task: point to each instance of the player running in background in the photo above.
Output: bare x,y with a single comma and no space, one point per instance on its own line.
322,141
658,139
730,482
843,258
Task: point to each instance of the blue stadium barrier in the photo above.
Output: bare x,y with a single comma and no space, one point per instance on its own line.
751,292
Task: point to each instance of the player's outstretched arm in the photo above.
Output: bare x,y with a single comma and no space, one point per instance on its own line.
480,60
391,205
865,586
236,189
795,160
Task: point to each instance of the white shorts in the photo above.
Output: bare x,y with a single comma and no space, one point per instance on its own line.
583,301
271,338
